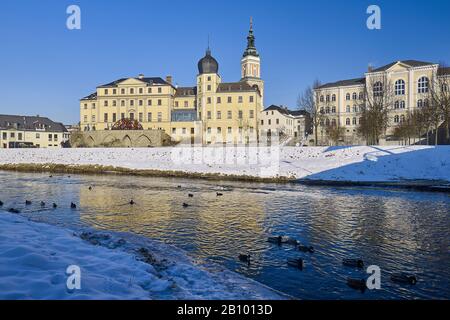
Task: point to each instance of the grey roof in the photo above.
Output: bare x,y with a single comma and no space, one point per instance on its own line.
286,111
444,71
30,123
344,83
148,80
411,63
92,96
235,87
186,91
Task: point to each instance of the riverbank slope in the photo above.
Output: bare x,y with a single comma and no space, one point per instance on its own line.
359,164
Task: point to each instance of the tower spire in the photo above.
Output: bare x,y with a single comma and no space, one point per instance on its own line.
208,49
251,49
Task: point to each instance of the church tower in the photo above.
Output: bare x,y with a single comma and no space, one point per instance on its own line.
251,64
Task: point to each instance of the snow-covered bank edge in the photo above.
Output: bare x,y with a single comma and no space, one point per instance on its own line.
34,257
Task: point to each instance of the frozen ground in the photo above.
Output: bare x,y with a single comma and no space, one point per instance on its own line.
393,163
34,258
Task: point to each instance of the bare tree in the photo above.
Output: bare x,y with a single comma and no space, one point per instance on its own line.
440,99
378,101
309,102
335,133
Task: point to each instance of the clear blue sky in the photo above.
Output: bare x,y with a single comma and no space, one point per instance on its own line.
45,68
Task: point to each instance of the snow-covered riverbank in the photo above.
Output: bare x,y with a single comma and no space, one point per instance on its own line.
34,258
356,164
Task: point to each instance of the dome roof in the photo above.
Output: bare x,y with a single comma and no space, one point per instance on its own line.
208,64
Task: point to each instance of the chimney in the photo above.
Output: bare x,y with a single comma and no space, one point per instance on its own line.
141,76
169,79
369,68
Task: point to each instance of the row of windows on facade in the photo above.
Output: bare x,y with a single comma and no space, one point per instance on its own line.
355,121
159,102
131,116
229,130
131,91
12,135
399,89
277,121
398,104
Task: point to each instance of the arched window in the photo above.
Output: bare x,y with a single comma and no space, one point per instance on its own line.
327,122
444,87
402,118
399,87
354,121
327,110
361,96
347,121
396,105
328,98
321,110
402,104
419,103
333,122
396,119
333,97
348,108
355,108
347,96
354,96
378,89
423,85
321,98
333,109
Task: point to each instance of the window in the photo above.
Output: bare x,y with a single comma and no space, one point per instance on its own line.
93,118
149,90
208,88
333,109
105,117
229,100
141,117
423,85
159,90
114,103
378,89
354,121
141,91
209,78
355,108
229,115
132,103
149,102
327,110
85,119
333,98
38,136
347,121
85,106
240,114
328,98
250,99
444,87
141,102
159,102
229,130
262,122
50,137
183,131
219,130
354,96
19,136
396,119
122,116
419,103
176,104
348,109
399,87
321,98
208,115
122,103
93,106
252,114
131,91
270,122
149,117
114,117
240,99
106,91
114,91
131,116
209,130
402,104
174,130
347,96
219,100
425,103
219,115
55,137
396,105
186,104
361,96
277,121
159,117
208,100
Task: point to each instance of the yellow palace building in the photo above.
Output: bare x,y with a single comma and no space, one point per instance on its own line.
211,112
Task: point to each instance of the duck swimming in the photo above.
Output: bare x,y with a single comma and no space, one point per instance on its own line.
297,263
27,202
357,284
1,203
306,248
90,188
55,205
73,205
42,204
185,205
12,210
190,195
353,263
245,258
278,240
218,194
132,202
291,241
404,278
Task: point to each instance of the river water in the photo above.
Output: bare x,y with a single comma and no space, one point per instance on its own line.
397,230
